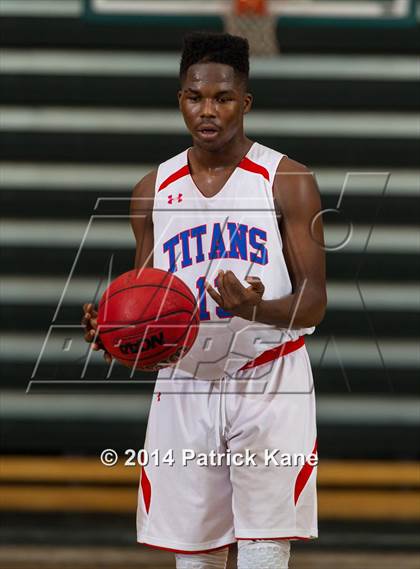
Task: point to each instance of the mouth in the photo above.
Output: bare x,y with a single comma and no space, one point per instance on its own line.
208,132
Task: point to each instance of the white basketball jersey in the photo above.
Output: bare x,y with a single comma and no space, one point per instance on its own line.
237,229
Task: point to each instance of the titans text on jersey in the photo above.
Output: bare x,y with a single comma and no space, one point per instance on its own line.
238,242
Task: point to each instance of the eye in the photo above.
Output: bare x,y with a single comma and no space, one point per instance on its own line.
224,99
193,98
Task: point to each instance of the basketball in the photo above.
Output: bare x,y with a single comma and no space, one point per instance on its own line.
146,316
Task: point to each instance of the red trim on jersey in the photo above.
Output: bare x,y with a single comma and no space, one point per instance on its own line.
146,489
184,171
186,552
303,476
275,353
247,164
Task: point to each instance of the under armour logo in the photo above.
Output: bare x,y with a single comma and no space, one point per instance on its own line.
171,198
158,395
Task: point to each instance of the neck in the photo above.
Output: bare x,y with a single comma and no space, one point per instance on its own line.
230,153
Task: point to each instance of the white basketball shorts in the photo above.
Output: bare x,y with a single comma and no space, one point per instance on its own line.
233,459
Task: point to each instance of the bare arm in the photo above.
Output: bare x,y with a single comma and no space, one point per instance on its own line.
297,199
141,209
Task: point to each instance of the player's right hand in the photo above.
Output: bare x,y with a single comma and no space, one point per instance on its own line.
90,322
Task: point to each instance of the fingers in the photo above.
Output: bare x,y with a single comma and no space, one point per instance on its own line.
230,291
220,284
233,296
214,295
256,284
171,360
89,308
89,335
230,288
156,367
93,339
252,279
85,319
90,322
233,285
89,313
97,346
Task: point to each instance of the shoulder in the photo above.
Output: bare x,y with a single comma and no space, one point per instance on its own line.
294,185
293,173
145,187
143,195
292,167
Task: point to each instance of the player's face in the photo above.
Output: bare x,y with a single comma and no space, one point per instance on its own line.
213,102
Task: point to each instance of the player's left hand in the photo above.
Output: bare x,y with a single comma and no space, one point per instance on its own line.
234,297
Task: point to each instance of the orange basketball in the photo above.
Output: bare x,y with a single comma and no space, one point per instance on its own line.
147,316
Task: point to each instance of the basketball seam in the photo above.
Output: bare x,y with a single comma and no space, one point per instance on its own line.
104,300
136,322
192,299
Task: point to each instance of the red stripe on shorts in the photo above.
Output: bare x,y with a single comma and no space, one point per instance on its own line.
146,489
274,353
303,476
184,171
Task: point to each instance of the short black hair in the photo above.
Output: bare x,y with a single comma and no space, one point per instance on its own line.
215,47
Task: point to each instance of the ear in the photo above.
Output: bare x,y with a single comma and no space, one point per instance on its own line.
248,99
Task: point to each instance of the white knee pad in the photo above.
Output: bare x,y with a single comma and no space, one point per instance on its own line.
212,560
264,554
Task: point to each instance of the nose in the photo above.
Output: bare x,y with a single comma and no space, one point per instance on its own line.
207,109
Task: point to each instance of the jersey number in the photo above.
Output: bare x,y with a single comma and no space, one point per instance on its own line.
202,302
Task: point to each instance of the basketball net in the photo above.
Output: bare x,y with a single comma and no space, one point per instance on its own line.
251,19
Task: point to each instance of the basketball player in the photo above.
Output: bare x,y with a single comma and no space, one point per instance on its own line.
240,224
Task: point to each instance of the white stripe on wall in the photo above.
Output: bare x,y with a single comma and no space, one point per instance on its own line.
117,177
134,64
114,231
135,407
68,119
36,8
337,410
332,9
66,344
343,296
